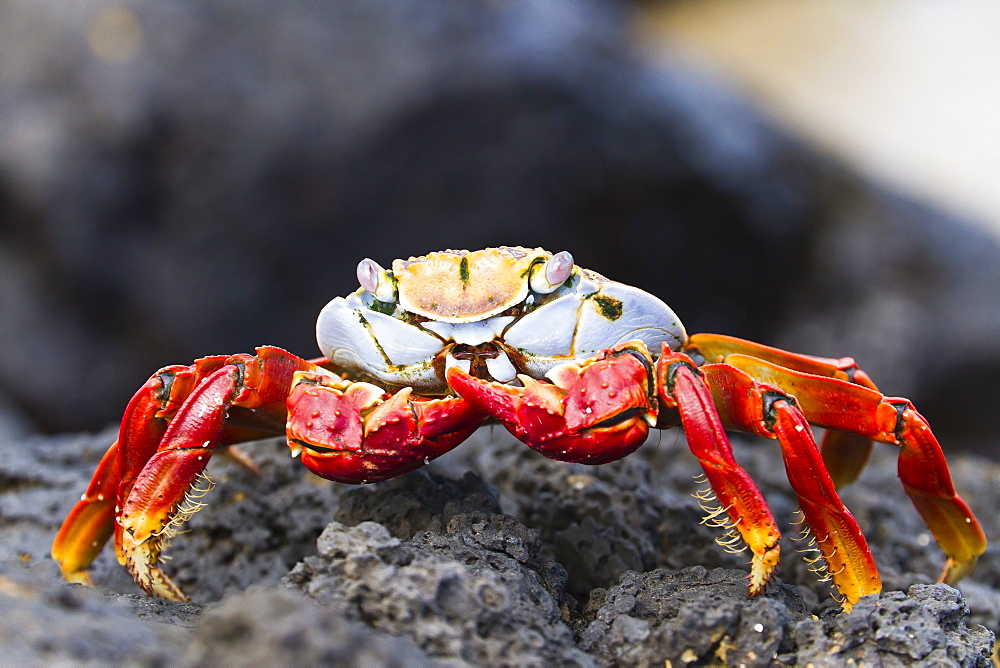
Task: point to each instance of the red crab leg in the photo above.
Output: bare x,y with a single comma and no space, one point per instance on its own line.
767,411
91,522
163,485
357,433
263,386
683,387
156,503
845,454
922,468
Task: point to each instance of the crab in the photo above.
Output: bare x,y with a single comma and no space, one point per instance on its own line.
576,366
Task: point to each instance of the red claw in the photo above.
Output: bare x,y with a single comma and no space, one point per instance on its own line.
592,412
357,433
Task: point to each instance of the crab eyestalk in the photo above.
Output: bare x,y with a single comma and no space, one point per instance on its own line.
376,280
545,278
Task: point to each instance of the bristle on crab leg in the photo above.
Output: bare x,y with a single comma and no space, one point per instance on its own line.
166,493
187,508
716,516
863,411
739,500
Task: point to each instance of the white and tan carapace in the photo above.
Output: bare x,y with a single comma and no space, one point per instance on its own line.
498,311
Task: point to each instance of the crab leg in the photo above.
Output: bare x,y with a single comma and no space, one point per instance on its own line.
163,480
922,468
767,411
844,454
158,495
89,525
683,387
92,521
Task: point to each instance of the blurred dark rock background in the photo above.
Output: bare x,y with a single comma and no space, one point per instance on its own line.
183,179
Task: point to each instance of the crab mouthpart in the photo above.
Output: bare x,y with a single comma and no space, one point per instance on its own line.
487,361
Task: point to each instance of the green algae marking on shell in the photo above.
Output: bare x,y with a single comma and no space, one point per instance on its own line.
463,271
387,308
609,307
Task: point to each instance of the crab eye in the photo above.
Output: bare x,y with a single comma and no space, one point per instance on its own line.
555,272
376,280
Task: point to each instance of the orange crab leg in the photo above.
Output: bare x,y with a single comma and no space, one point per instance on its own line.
765,410
683,387
844,454
89,525
922,468
849,560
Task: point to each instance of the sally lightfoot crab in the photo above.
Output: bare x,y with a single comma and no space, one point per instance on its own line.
576,366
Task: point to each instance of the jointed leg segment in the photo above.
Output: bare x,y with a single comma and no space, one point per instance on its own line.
835,395
170,429
683,387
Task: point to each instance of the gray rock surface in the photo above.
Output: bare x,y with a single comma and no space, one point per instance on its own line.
465,563
275,626
471,593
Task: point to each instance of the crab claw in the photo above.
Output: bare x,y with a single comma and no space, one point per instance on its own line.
357,433
592,412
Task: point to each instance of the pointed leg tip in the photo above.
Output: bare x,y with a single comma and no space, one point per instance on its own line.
762,569
155,582
78,577
954,570
141,562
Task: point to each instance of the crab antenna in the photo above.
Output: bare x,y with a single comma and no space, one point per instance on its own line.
557,269
373,278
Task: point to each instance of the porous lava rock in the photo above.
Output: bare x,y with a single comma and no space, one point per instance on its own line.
453,565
